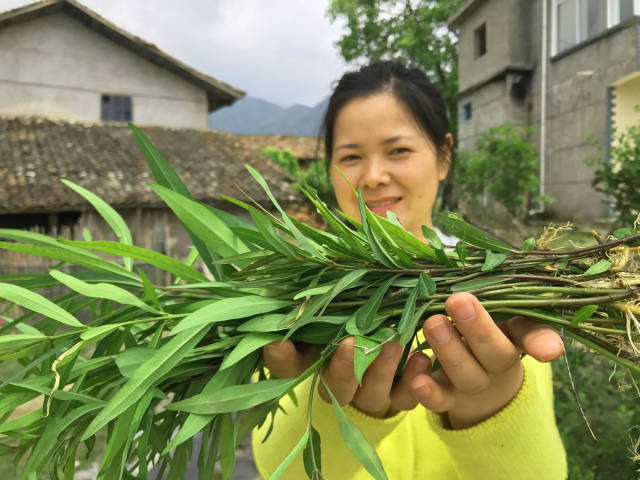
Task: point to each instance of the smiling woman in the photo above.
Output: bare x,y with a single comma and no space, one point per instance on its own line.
486,414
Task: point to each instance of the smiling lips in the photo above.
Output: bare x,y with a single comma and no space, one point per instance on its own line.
383,204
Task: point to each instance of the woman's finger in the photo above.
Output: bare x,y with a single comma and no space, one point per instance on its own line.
402,396
488,343
339,375
284,360
433,395
373,396
464,371
540,341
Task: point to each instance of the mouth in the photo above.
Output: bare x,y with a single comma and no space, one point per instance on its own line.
383,205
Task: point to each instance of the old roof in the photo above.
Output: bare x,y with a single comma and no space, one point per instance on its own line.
219,94
306,148
35,153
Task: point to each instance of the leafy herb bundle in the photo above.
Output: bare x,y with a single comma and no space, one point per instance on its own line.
159,363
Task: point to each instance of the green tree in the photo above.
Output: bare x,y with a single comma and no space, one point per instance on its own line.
413,31
504,165
619,175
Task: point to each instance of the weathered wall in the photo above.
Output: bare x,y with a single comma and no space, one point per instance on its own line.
56,67
578,81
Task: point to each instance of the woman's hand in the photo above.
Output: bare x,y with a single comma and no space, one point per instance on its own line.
481,373
377,396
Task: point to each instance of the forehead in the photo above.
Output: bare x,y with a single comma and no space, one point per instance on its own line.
378,115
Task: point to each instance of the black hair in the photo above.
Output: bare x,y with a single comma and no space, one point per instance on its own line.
410,85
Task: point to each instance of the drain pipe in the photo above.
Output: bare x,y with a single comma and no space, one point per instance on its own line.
543,109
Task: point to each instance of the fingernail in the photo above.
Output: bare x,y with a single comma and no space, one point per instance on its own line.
463,312
389,349
440,332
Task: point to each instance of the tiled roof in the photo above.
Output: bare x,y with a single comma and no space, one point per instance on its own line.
35,153
219,93
302,147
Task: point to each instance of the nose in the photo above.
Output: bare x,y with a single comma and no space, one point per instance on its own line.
376,173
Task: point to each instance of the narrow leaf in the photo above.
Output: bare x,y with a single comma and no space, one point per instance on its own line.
365,352
492,260
113,218
405,324
584,314
37,303
277,473
229,309
461,229
357,443
600,267
249,343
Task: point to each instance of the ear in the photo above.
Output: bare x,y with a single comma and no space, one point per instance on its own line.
444,159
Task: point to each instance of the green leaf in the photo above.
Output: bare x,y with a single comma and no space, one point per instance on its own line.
230,309
365,315
432,237
271,322
406,324
311,247
529,244
461,250
249,343
311,455
156,259
20,339
101,290
149,290
426,286
277,473
130,359
235,397
37,303
623,232
313,291
113,218
584,314
475,284
376,247
356,442
80,258
147,375
203,223
363,358
600,267
458,227
228,433
270,236
492,260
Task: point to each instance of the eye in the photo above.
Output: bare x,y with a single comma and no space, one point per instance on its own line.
399,151
349,158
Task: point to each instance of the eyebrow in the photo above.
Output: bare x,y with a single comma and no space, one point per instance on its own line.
386,141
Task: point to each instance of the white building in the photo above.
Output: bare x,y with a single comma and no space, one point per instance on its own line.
61,60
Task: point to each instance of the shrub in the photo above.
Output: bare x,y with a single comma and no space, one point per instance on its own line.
618,174
504,165
315,175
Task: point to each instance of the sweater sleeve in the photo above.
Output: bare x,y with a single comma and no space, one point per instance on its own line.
520,441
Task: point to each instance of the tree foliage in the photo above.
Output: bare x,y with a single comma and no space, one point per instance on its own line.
414,32
619,175
504,166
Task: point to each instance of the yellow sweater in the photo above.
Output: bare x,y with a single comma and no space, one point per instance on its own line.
519,442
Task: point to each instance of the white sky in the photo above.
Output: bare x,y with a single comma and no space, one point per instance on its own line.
279,50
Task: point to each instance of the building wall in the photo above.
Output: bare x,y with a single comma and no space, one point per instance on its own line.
626,102
56,67
578,81
507,25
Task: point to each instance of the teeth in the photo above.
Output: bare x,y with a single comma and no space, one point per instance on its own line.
382,204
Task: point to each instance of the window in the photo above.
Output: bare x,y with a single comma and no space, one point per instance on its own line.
480,40
620,10
116,108
466,112
575,21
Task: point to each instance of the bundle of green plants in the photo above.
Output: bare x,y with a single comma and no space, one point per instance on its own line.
157,364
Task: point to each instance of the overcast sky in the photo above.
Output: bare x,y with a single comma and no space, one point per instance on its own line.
278,50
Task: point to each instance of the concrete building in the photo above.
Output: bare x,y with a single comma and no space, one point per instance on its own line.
568,68
61,60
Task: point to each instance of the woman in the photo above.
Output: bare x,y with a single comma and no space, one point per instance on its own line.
486,413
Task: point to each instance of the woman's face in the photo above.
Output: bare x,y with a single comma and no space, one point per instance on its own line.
379,146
